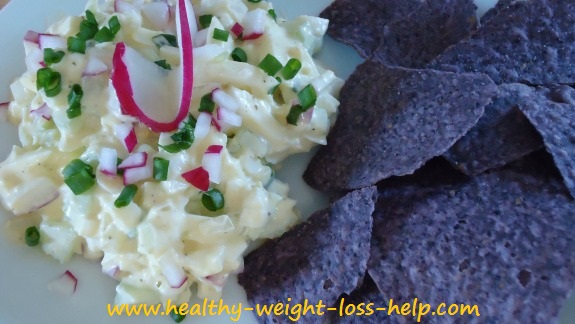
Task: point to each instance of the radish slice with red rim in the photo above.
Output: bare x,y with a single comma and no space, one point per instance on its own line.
212,162
145,90
202,125
133,175
224,100
254,24
43,111
134,160
52,41
32,36
127,134
65,285
173,272
237,29
228,118
198,178
108,160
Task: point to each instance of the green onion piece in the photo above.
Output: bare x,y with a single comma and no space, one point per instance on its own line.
270,65
239,55
207,104
90,17
221,35
104,35
79,176
291,69
177,317
213,200
49,80
165,40
77,45
206,20
183,138
52,57
74,100
293,114
126,196
32,236
274,88
272,14
161,169
114,25
163,64
307,97
119,171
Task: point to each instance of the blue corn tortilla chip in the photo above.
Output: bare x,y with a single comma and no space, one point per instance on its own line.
555,121
502,240
531,42
316,260
500,5
361,24
502,135
416,39
393,120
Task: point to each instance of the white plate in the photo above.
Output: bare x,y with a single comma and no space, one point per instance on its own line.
25,272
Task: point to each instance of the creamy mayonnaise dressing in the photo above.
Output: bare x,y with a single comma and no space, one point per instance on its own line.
166,226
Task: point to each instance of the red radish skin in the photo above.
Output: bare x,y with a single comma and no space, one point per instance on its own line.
43,111
133,175
31,36
214,149
108,160
134,160
65,285
237,29
198,178
4,111
123,82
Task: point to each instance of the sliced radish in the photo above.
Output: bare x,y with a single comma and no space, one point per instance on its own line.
94,66
31,36
254,24
173,272
52,41
237,29
224,100
34,57
307,116
228,118
146,91
158,13
216,124
112,272
212,162
65,285
124,7
43,111
218,280
127,134
202,125
4,110
108,161
134,160
198,178
133,175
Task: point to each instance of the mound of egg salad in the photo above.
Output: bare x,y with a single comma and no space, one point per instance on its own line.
164,212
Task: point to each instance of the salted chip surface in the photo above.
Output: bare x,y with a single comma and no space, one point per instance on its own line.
316,260
502,135
416,39
530,42
360,24
555,121
502,240
392,120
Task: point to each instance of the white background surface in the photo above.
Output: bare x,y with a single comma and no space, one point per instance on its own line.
25,271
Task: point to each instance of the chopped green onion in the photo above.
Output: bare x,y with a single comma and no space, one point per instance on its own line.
32,236
77,45
74,101
183,138
177,317
119,171
88,27
270,65
307,97
165,40
207,104
114,25
213,200
293,114
239,55
272,14
104,35
90,17
52,57
163,64
291,68
161,169
126,196
221,35
49,80
79,176
274,88
206,20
